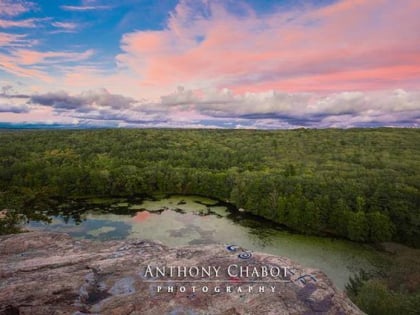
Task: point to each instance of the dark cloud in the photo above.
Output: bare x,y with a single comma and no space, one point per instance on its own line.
84,102
344,109
11,102
57,100
223,108
13,108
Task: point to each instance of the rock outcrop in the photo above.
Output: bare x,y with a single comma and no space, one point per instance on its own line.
51,273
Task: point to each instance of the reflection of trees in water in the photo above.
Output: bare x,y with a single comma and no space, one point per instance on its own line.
259,230
71,211
69,214
75,216
262,237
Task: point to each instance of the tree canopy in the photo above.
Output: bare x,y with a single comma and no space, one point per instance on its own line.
361,184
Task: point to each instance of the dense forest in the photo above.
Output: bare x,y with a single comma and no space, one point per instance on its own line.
360,184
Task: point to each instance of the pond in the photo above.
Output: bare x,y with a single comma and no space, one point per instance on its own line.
187,220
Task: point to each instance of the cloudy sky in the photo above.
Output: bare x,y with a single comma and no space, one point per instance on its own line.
210,63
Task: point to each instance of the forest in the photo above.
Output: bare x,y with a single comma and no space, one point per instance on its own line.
358,184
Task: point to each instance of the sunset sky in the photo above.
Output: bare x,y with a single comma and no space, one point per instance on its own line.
210,63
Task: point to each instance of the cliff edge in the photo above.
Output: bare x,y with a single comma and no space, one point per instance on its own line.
52,273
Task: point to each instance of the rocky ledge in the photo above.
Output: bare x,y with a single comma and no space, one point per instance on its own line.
51,273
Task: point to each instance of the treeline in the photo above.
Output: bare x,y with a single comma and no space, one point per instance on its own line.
361,184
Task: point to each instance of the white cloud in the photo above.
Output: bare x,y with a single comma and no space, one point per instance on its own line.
85,7
66,26
268,110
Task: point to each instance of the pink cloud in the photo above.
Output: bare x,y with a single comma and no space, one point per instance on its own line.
26,23
349,80
30,57
9,65
351,44
13,40
31,63
14,8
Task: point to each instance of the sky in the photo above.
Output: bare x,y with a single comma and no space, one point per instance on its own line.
210,63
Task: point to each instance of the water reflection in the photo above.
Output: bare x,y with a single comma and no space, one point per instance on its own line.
141,216
182,220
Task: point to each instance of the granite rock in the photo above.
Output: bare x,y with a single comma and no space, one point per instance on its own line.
52,273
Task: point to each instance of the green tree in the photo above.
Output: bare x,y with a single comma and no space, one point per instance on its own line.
357,227
375,299
380,227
